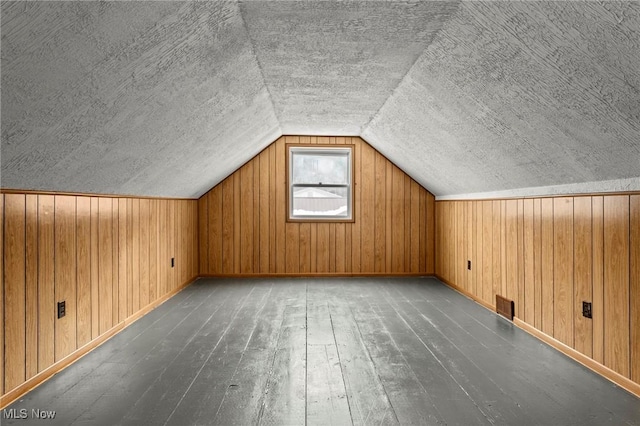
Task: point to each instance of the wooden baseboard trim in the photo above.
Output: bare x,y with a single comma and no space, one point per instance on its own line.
594,366
151,306
466,293
47,373
319,275
606,372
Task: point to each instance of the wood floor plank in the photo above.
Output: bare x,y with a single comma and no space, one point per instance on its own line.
197,356
244,397
285,395
368,401
411,401
326,394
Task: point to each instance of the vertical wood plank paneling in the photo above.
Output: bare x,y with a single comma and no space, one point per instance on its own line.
367,208
280,194
203,233
180,230
105,265
397,215
114,257
422,226
292,262
597,210
414,228
245,215
583,283
130,239
65,274
313,236
439,240
95,272
83,265
273,216
431,226
217,228
46,281
537,262
251,203
497,266
451,240
162,247
227,226
265,213
504,234
292,230
305,247
292,249
340,247
616,283
547,239
478,249
407,223
237,222
634,290
255,212
2,293
389,223
529,262
380,202
145,230
153,251
14,291
172,243
457,272
135,260
122,260
322,262
332,247
520,283
468,246
31,282
487,252
563,270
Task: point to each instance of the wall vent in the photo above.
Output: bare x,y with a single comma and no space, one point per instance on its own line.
504,307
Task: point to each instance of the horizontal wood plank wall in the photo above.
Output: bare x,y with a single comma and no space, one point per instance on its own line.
243,228
573,249
79,249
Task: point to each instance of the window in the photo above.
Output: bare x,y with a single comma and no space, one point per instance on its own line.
320,182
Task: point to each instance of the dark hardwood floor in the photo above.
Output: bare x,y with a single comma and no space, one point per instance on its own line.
363,351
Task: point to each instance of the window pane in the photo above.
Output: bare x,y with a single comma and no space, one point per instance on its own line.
320,201
315,169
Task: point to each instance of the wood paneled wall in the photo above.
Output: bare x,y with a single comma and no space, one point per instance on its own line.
549,255
243,228
107,258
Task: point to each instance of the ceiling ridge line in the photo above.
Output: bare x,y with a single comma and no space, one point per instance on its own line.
255,57
364,127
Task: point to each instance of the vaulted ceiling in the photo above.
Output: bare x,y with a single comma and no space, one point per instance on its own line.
168,98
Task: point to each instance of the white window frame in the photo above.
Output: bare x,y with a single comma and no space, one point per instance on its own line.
333,150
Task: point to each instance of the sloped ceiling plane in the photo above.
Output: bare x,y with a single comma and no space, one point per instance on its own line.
468,97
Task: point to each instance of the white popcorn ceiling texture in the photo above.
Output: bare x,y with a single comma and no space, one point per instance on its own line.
168,98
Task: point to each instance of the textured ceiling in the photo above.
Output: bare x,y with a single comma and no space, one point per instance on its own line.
168,98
